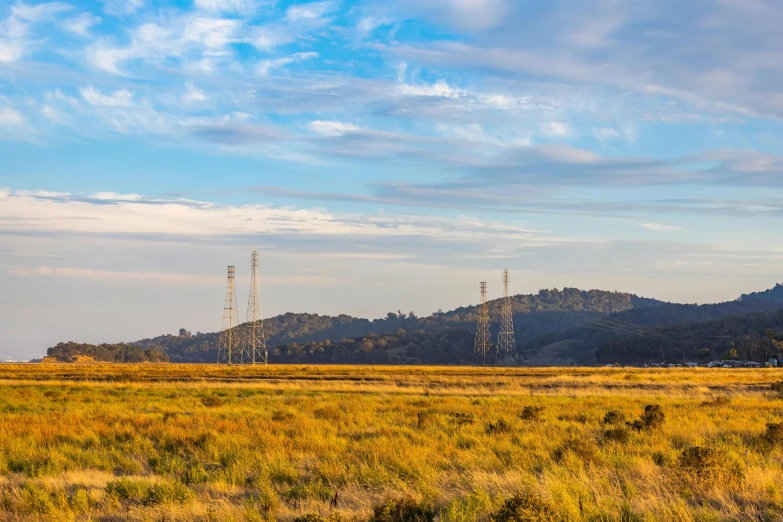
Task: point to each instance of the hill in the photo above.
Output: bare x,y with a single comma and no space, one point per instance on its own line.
568,326
533,317
646,334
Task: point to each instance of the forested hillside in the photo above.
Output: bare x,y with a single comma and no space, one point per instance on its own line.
673,331
617,327
754,336
449,346
534,315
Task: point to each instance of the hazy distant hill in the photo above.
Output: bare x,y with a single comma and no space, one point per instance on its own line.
645,334
552,327
754,336
533,316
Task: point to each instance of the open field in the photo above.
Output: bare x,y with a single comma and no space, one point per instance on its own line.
188,442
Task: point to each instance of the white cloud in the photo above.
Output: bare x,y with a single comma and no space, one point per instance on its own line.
312,12
214,33
192,94
122,7
116,276
267,66
604,134
439,88
659,228
10,117
556,129
333,128
267,38
119,98
102,214
15,30
81,24
10,51
368,24
39,12
227,6
52,114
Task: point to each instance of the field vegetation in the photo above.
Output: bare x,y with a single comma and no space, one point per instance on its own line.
312,443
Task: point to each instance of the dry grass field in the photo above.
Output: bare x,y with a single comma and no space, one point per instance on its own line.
187,442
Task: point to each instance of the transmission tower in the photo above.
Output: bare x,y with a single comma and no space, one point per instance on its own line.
229,351
506,343
483,343
255,342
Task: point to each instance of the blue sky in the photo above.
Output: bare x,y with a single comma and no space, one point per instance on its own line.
380,156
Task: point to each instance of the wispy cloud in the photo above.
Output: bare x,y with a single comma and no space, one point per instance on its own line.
265,67
659,228
113,276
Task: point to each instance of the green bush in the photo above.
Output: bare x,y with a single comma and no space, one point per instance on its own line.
501,426
525,507
651,419
532,413
620,434
774,433
614,417
36,499
584,450
329,412
403,510
720,400
146,492
709,465
210,401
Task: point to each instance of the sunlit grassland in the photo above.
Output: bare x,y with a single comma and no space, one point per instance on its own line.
187,442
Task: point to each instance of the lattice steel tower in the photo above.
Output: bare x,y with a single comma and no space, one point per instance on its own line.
255,342
483,343
229,350
506,343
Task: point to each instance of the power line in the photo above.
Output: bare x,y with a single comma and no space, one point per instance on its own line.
228,352
483,343
506,342
255,341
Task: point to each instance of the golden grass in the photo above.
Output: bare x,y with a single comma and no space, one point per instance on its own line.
201,442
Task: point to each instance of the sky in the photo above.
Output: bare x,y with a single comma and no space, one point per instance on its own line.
380,155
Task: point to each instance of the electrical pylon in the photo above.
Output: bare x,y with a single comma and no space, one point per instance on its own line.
229,351
483,343
506,343
255,342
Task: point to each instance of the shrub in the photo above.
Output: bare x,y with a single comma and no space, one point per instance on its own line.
584,450
310,517
468,509
720,400
79,500
127,489
210,401
315,517
501,426
403,510
329,412
774,433
620,434
525,507
614,417
532,413
147,492
709,465
282,416
423,418
36,499
652,418
461,417
167,492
